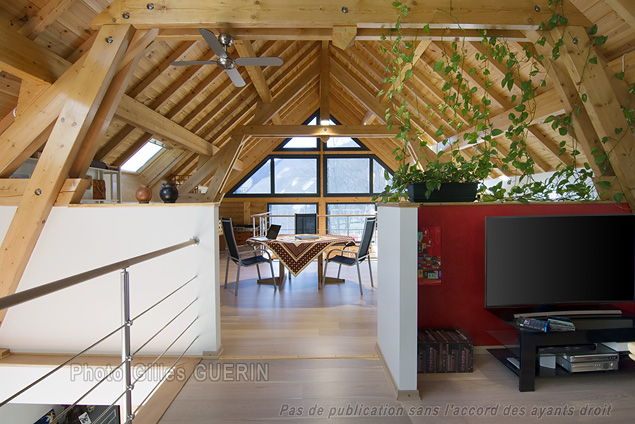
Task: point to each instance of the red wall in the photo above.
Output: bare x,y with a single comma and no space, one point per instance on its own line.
459,300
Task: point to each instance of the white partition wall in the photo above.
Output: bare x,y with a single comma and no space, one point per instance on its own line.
81,238
397,296
78,239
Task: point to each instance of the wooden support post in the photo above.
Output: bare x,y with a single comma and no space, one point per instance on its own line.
83,99
325,85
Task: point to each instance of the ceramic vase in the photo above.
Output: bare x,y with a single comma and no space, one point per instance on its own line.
169,193
144,194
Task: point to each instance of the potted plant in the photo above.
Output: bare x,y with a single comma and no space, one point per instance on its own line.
464,149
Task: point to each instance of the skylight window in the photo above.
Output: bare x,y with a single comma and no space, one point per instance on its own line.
139,159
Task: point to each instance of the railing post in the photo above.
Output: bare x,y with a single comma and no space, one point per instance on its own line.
126,357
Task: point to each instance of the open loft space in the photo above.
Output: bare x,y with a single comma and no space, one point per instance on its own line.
160,160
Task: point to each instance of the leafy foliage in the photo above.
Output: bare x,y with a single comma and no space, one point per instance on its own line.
466,144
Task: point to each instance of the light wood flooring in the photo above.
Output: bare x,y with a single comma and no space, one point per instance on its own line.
290,353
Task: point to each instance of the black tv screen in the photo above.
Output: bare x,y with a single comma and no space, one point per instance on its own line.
546,260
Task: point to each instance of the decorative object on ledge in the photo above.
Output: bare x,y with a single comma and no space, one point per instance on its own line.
144,194
169,193
448,192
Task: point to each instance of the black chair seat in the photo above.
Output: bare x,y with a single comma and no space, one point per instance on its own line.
344,260
354,257
254,260
245,257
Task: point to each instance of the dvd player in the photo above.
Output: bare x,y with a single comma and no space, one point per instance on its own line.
586,366
601,353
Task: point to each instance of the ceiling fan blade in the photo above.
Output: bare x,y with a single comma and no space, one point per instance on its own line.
235,76
213,42
258,61
194,62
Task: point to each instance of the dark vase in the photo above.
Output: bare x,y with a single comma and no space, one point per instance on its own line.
449,192
169,193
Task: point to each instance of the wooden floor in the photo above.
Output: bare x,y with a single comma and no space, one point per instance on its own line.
291,353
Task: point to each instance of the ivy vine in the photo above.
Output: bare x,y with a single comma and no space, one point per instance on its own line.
469,149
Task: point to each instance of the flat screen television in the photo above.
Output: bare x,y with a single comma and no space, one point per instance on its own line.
551,260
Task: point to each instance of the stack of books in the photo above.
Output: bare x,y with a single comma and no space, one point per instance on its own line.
560,324
444,350
547,324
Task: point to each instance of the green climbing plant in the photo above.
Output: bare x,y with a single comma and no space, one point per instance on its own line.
458,141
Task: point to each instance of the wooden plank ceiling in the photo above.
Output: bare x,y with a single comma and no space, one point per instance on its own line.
321,69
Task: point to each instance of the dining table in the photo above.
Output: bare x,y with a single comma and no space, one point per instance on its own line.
296,251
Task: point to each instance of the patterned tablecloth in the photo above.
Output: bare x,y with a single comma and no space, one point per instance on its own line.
296,254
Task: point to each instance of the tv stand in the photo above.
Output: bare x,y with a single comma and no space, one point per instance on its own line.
597,313
589,330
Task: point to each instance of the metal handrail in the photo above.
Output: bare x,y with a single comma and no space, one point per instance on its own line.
45,289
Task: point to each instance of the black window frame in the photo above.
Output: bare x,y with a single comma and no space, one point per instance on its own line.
272,187
370,158
321,147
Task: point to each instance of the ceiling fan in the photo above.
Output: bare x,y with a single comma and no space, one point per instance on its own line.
219,46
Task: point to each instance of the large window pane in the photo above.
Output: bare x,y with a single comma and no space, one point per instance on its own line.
259,182
288,222
348,225
379,180
295,176
348,175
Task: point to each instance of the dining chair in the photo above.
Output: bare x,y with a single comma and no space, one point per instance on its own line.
306,223
350,257
233,252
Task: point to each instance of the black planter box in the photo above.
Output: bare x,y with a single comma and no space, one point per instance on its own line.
449,192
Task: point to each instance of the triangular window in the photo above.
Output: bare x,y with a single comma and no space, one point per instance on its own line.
311,143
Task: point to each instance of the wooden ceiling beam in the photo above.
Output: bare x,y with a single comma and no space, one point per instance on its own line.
246,49
326,34
519,14
12,190
141,116
44,17
625,9
284,131
27,60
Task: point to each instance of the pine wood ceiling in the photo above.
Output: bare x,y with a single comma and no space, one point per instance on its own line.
205,102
